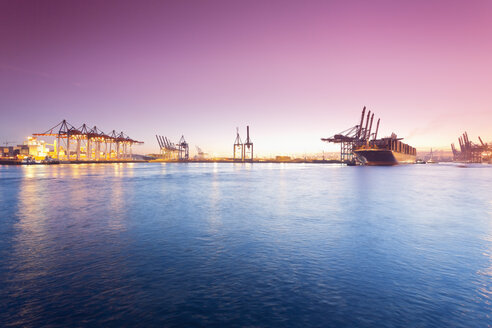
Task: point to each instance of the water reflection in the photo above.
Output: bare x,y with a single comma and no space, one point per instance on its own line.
75,170
214,217
485,287
188,245
117,208
31,244
163,167
118,170
29,171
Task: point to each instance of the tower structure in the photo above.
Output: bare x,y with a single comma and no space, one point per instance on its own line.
183,149
238,151
248,147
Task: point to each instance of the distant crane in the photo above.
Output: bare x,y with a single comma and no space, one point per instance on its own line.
470,151
238,147
183,149
200,154
172,151
359,134
248,147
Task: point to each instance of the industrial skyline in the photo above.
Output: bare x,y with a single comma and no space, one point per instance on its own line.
294,71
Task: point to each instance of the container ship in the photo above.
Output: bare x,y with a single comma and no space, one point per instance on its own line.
359,145
385,151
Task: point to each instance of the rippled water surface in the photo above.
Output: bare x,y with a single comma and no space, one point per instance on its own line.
245,245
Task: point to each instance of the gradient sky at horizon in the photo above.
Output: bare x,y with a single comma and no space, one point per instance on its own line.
295,71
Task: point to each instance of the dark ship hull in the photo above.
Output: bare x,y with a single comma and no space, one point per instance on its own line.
383,157
385,151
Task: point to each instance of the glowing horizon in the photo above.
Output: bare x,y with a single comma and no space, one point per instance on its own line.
294,71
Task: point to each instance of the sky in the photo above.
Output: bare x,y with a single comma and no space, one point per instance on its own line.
294,71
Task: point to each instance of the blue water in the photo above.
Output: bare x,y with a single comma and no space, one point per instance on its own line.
261,245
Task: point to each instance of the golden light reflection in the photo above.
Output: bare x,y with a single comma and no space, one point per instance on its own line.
115,220
117,170
59,171
163,168
75,170
31,233
29,171
215,219
129,169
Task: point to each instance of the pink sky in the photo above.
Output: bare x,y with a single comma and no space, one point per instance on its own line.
295,71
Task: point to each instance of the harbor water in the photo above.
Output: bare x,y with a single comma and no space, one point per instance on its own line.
245,245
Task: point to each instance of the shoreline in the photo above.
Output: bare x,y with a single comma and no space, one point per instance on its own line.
18,162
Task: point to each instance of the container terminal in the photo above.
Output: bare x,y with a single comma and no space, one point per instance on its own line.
72,145
471,152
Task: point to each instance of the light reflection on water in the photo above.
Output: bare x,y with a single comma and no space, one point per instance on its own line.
215,212
245,244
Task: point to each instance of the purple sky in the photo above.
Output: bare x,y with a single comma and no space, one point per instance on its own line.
294,71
